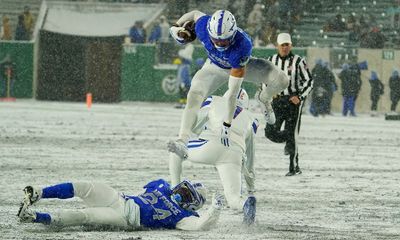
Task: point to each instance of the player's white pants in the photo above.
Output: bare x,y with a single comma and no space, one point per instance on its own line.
105,206
227,160
210,77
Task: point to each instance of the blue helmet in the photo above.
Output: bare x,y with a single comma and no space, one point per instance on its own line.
189,195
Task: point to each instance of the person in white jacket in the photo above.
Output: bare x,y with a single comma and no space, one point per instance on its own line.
230,161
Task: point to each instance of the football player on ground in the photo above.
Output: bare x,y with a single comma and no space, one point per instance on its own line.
160,206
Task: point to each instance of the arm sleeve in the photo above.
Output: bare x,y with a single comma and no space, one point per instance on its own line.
193,15
248,163
175,169
306,76
233,90
204,222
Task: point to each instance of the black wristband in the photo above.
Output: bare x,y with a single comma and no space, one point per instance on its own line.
227,124
175,25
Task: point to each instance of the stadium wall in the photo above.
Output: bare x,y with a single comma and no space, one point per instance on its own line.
144,80
22,54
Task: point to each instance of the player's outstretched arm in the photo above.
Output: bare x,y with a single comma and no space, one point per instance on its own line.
206,220
190,16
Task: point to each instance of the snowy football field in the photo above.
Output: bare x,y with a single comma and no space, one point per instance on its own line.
349,188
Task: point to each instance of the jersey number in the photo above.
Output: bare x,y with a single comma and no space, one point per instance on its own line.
151,198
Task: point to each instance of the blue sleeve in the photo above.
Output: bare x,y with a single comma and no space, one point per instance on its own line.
160,183
201,28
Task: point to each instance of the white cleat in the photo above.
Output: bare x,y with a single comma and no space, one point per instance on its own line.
178,147
269,114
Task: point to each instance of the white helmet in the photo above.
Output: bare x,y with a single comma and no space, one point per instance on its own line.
242,99
222,29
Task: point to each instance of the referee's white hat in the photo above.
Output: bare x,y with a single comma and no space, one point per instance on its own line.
284,38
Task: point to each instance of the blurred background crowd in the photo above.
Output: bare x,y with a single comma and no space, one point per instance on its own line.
355,23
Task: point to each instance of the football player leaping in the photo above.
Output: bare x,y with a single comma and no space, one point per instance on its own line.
229,49
160,206
230,161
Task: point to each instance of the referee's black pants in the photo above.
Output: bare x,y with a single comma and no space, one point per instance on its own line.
290,114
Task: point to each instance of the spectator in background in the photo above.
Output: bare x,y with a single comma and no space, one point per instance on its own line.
255,22
335,25
394,13
372,39
28,22
269,33
20,31
8,75
137,33
394,85
160,31
324,86
351,85
5,33
273,13
238,9
184,74
353,26
377,89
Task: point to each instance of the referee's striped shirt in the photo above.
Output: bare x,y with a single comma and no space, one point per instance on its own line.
295,67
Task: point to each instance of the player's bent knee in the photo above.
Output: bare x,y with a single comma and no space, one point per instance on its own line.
282,82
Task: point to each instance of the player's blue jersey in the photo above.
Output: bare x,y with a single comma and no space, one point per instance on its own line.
236,56
157,210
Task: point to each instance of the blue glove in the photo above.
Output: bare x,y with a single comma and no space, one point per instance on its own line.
225,132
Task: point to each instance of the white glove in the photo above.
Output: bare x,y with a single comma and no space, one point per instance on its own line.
217,201
174,33
225,132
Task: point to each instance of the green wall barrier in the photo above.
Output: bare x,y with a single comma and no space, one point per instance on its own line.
143,80
22,54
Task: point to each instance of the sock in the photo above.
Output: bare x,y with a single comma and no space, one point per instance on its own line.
61,191
44,218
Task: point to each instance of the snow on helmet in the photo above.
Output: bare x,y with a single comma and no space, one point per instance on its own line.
242,99
222,29
189,195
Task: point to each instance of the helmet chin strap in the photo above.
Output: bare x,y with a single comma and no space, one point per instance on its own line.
221,49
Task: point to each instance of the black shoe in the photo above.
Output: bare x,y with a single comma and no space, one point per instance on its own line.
298,170
290,173
286,150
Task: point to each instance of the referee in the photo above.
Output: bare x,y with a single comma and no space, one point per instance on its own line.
288,105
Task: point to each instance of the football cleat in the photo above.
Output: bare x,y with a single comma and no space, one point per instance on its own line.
266,107
249,211
269,114
178,147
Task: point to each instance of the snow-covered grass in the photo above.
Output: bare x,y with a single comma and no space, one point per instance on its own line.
349,188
